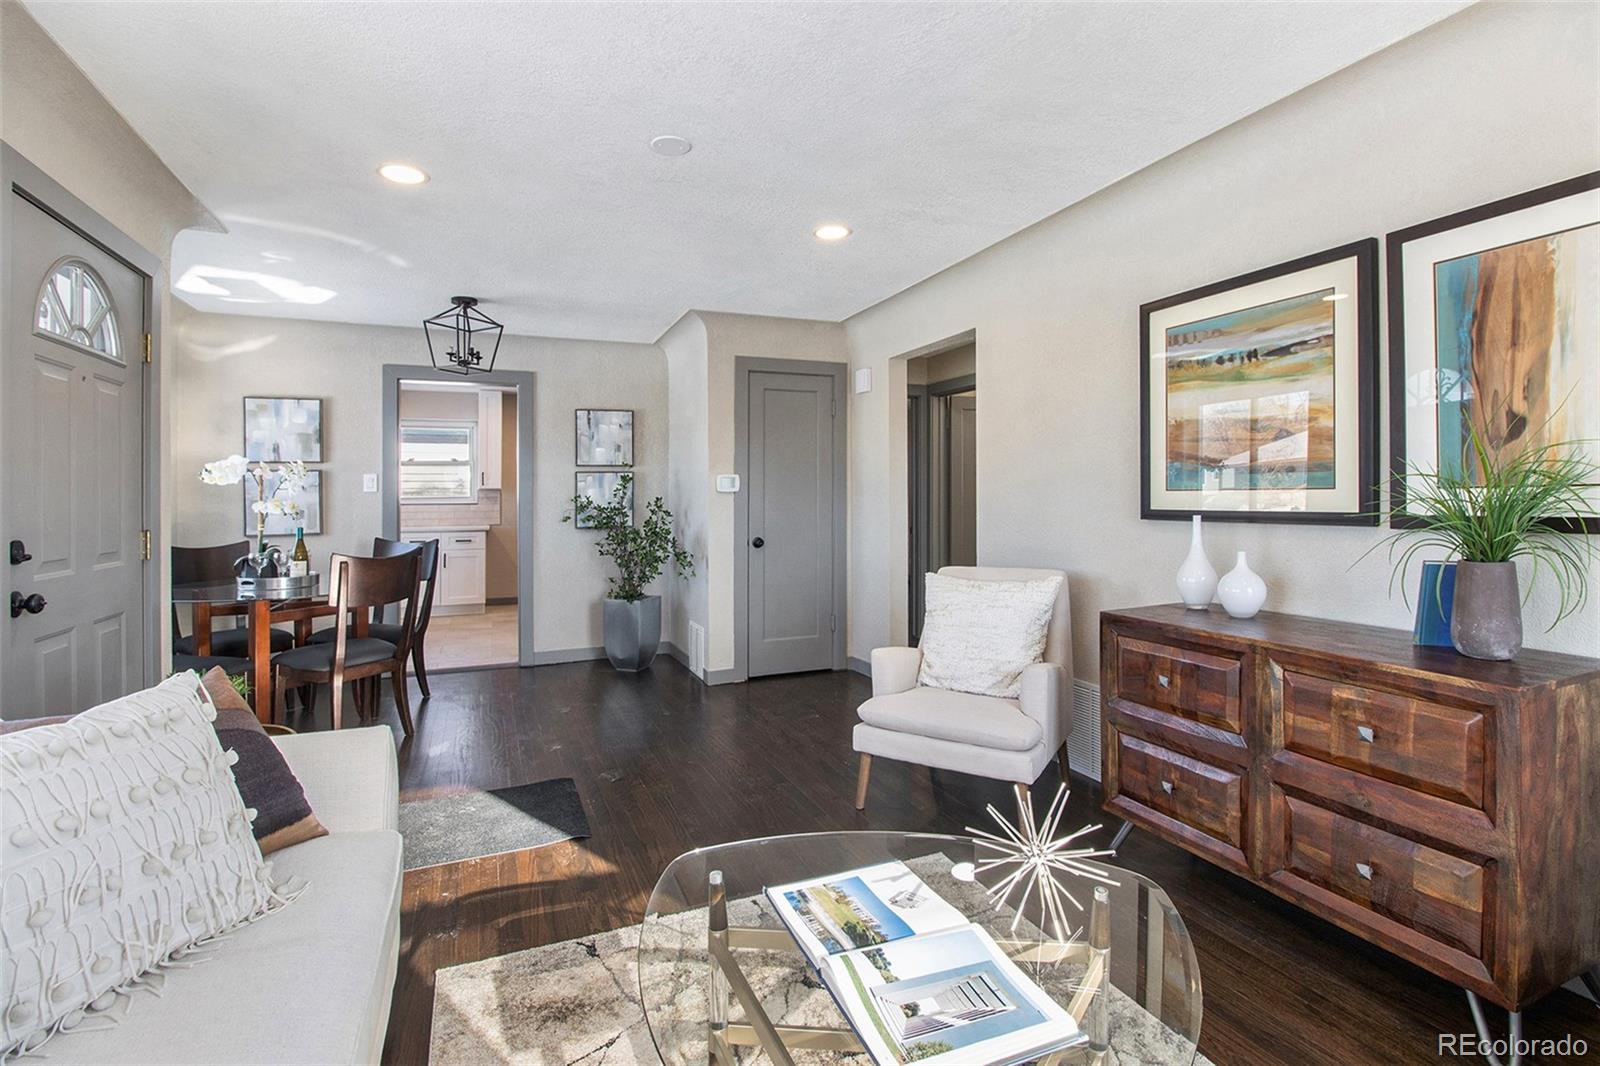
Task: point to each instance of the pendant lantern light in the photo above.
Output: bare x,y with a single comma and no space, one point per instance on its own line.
458,336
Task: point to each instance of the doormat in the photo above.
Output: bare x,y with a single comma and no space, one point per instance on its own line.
470,825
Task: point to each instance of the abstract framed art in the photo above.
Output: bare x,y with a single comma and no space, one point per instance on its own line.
282,429
1258,394
604,438
308,496
1494,324
598,486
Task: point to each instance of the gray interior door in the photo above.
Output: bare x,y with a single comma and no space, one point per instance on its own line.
791,523
74,492
961,487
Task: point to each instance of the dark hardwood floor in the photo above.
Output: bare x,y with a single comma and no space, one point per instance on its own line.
665,764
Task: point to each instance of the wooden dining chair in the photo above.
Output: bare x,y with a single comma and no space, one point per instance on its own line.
427,568
359,584
214,565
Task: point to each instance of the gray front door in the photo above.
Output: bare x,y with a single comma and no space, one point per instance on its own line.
73,379
791,523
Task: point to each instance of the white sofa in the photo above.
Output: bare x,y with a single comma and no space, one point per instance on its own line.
309,983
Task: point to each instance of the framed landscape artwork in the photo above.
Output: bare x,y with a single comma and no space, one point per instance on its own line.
1494,324
1258,395
605,438
309,497
282,429
597,486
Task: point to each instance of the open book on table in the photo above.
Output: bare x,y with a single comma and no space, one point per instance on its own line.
917,980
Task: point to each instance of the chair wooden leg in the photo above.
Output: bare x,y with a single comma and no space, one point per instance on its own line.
862,774
421,668
280,710
401,698
336,693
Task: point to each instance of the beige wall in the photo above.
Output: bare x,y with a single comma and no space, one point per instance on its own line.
221,358
1495,101
689,485
57,119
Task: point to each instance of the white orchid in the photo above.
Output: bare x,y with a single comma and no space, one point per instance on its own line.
291,477
278,506
229,471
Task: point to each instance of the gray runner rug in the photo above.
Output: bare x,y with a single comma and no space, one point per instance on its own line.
467,825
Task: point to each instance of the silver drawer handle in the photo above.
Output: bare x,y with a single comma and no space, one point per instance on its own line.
1365,733
1166,786
1364,870
1163,680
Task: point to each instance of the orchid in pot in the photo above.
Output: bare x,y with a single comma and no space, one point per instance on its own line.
287,479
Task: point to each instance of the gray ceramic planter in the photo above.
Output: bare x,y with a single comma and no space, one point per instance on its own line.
632,632
1486,619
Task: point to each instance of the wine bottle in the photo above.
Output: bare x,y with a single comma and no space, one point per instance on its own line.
300,560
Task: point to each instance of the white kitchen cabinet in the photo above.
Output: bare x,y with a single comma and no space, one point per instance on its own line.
462,569
490,427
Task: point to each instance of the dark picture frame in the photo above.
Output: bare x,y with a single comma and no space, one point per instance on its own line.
1400,367
273,451
310,497
1360,486
605,482
579,430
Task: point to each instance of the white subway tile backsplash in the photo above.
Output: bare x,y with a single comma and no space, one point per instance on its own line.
486,512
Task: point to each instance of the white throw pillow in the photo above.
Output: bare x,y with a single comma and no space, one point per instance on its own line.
123,845
977,636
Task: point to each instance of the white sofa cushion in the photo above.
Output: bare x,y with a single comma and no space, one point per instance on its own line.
311,984
124,842
960,717
978,636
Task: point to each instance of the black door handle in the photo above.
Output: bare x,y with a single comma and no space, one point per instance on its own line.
757,543
33,604
19,553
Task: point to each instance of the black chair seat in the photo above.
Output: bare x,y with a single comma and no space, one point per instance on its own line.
233,643
318,658
377,630
202,664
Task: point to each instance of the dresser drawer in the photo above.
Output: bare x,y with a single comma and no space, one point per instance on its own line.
1440,896
1198,685
1201,796
1428,746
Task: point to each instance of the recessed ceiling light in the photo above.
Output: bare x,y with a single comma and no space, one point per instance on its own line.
832,231
403,173
1332,296
670,146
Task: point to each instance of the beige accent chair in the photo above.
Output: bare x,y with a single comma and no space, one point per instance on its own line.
1008,740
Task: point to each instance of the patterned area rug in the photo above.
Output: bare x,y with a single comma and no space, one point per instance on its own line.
478,822
577,1003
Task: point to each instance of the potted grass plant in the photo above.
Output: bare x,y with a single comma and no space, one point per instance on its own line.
1492,511
631,624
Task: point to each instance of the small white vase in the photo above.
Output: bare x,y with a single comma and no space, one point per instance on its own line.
1197,578
1241,590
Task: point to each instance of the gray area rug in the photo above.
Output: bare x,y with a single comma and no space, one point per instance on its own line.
577,1003
467,825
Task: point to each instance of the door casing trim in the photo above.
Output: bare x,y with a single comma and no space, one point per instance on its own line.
19,177
743,367
525,383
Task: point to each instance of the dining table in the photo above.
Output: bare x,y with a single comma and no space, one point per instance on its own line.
262,610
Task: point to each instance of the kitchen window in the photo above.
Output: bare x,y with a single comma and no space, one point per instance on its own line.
438,462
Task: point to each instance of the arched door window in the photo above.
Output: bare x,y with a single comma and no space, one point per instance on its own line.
74,307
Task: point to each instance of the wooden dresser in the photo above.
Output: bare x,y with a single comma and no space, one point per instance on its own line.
1444,808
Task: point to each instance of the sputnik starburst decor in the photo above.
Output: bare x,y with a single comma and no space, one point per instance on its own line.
1038,855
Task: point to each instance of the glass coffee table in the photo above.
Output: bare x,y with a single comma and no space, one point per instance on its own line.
722,981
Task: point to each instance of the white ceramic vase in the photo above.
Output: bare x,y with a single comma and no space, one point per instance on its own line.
1197,578
1241,590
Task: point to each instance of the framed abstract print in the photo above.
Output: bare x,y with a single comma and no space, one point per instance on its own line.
1258,395
1494,324
598,486
282,429
604,438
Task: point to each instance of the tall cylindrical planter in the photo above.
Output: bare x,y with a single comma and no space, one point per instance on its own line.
1486,618
632,632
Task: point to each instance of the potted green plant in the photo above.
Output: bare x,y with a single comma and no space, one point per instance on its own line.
632,620
1486,514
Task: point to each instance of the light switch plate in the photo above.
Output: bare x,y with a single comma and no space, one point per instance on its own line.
727,482
369,482
864,379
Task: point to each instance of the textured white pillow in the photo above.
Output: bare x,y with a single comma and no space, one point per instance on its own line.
123,845
977,636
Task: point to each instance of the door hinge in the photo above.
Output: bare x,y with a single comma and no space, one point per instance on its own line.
833,623
144,544
147,347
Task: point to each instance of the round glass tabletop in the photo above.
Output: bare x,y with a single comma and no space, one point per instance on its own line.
1123,966
229,592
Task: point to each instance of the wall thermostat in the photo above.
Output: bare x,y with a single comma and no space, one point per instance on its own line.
727,482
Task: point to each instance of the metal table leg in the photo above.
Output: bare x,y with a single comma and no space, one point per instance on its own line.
1483,1032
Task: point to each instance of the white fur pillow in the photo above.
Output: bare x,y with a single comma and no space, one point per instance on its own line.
977,636
123,844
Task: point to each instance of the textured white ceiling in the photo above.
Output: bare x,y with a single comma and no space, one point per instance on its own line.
934,130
